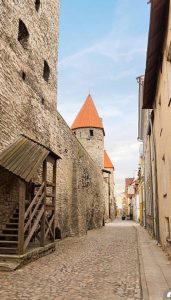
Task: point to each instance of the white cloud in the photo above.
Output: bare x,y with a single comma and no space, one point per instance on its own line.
112,47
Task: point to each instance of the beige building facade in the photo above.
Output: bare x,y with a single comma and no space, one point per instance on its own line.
156,106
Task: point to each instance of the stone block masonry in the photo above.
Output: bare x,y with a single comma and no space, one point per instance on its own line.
28,91
93,144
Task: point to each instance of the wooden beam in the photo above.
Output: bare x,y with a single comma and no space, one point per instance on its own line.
33,213
22,190
36,223
44,179
54,193
50,229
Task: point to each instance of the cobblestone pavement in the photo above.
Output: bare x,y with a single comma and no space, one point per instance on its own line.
102,265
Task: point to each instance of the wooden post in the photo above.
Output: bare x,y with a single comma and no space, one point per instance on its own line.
54,193
44,179
22,191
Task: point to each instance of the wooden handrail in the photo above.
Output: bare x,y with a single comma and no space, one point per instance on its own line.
34,200
36,223
34,212
49,227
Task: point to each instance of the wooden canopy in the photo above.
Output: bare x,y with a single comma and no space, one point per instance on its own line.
23,157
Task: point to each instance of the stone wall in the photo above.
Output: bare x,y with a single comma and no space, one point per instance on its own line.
93,144
109,195
8,195
28,106
80,185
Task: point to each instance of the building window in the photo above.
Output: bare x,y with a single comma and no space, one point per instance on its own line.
37,5
169,104
160,115
167,221
75,132
43,101
46,71
164,178
91,133
23,34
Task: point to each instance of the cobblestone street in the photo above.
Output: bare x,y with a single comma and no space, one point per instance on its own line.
102,265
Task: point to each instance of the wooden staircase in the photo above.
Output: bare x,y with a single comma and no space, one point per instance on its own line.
34,225
9,235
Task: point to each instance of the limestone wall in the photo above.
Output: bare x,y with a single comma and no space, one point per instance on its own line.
109,195
8,195
80,185
93,144
28,105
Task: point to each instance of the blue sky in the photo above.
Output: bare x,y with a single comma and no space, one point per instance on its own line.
102,47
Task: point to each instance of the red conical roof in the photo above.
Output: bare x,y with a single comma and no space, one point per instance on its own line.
107,161
88,116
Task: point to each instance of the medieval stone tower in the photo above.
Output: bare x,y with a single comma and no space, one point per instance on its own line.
28,92
28,69
89,130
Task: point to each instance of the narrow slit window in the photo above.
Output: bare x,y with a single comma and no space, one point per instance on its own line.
91,133
37,5
23,76
23,34
46,71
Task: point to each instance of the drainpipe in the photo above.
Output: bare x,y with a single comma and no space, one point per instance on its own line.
145,197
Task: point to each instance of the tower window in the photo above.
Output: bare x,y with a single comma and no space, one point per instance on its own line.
37,5
91,133
23,34
23,76
43,101
46,71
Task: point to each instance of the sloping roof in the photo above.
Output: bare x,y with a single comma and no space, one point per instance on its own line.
23,157
128,181
158,23
88,116
107,161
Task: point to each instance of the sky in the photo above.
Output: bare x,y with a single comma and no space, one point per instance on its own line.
102,48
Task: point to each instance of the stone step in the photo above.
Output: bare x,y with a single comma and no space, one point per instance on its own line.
8,250
4,243
11,225
14,220
10,231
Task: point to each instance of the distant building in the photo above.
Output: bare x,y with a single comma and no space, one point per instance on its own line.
108,173
129,193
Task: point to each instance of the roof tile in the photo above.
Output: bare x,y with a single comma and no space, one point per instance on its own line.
88,116
107,161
